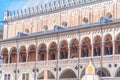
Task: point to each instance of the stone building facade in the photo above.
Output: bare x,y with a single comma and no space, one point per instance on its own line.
56,41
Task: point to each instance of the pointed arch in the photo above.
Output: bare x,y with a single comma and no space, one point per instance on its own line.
117,74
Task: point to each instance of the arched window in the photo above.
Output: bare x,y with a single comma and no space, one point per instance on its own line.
27,30
24,59
53,56
85,48
108,45
85,53
85,20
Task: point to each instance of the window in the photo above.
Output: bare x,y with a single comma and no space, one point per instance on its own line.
42,57
85,20
53,56
25,76
45,27
24,59
109,15
27,30
64,24
7,77
85,53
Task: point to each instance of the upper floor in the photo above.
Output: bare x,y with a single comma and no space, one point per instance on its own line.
42,18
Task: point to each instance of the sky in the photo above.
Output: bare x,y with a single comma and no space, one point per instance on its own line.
10,5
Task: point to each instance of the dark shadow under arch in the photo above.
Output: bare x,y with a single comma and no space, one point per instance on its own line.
103,72
49,73
117,74
68,74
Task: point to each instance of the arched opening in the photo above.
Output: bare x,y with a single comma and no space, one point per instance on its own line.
117,44
5,55
97,46
31,53
103,72
13,55
42,55
67,74
86,47
64,49
108,47
23,54
45,75
53,51
118,73
74,48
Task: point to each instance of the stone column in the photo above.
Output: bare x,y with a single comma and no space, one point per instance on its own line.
27,56
8,57
45,75
69,53
47,56
92,50
102,52
113,50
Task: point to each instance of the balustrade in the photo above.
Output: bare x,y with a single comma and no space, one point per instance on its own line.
74,61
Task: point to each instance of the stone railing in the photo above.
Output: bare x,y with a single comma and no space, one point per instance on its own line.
8,66
117,57
63,62
109,78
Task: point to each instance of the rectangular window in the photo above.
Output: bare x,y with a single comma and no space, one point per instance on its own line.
25,76
7,77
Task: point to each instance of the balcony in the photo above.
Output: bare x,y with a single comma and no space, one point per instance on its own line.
64,62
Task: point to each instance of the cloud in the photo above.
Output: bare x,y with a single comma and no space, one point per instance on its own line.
16,5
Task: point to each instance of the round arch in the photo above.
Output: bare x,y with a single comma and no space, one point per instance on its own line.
117,74
68,73
53,51
42,53
103,72
97,45
23,54
108,47
4,53
64,49
49,74
13,55
31,53
86,47
117,44
74,44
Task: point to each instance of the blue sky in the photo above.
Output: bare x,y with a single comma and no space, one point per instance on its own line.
11,5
